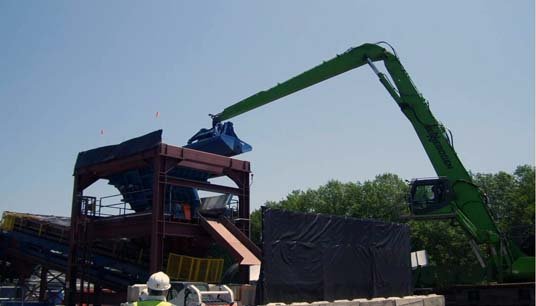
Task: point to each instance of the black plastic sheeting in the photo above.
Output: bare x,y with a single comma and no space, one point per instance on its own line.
314,257
124,149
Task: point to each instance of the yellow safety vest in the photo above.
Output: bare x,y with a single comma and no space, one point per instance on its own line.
152,303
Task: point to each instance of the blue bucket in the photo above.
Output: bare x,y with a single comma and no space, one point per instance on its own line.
221,140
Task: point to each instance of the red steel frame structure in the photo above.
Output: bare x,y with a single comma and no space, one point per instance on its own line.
162,158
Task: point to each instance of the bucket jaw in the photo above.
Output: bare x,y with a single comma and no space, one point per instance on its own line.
221,140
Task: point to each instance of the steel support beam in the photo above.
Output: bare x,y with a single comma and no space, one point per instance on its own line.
175,181
140,226
72,266
198,159
242,180
43,283
155,259
105,169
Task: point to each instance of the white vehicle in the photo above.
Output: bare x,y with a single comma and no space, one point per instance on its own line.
200,294
191,294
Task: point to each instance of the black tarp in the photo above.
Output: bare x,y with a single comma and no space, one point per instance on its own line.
315,257
124,149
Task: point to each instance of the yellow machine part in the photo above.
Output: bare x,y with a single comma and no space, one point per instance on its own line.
8,220
194,269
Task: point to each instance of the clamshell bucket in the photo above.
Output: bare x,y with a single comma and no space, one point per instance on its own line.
221,140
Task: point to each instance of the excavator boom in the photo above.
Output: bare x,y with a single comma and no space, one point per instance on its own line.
453,193
351,59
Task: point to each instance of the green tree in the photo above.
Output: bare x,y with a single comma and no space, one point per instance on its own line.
450,256
383,198
255,226
511,199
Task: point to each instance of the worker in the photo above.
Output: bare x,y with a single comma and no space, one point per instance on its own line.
157,286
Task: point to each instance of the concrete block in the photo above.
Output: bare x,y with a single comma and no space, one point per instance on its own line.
345,303
235,288
434,300
359,300
134,292
247,295
377,302
410,301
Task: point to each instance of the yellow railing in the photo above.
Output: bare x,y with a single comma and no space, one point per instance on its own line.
194,269
8,220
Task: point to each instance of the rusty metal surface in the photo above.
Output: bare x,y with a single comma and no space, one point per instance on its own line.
203,158
154,224
239,250
155,261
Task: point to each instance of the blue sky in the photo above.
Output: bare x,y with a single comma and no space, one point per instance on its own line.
69,69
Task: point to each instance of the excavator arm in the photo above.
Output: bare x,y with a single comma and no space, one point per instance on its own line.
351,59
451,194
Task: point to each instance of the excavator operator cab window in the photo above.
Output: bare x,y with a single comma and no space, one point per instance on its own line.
425,194
429,195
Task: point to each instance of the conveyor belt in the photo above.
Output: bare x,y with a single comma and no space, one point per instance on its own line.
44,241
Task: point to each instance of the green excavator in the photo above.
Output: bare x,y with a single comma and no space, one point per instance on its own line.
450,195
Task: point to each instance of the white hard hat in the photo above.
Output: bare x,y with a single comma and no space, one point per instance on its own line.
159,281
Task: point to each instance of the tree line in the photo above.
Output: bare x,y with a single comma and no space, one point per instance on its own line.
511,201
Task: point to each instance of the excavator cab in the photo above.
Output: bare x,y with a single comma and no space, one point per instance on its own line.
429,195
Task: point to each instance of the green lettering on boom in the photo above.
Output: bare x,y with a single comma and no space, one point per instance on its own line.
433,137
